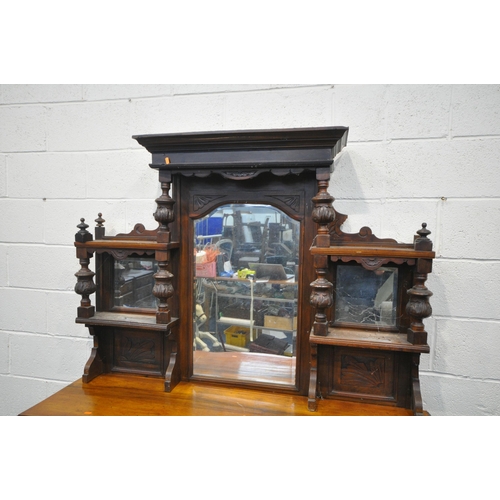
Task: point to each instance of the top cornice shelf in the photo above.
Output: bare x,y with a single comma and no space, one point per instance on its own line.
301,148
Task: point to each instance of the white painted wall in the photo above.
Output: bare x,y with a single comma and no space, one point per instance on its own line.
415,153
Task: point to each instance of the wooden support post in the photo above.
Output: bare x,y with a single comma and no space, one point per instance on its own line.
163,288
85,285
321,296
418,306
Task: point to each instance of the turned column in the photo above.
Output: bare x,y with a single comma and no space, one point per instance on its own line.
321,296
163,288
85,285
418,306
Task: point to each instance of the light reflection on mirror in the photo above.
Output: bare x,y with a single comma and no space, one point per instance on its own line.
134,281
245,293
366,297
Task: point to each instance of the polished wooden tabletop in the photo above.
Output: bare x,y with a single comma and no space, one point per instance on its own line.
122,394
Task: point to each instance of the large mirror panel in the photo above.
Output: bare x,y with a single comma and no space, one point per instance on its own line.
245,293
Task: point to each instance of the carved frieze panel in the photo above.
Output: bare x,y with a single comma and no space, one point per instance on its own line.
291,203
138,350
364,372
371,263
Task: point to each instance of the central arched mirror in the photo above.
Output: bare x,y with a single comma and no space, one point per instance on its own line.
246,275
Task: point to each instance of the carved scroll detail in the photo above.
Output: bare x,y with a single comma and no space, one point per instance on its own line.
241,175
138,351
371,263
368,371
201,200
290,200
365,234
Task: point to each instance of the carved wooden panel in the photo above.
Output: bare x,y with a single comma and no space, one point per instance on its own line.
138,351
367,373
291,203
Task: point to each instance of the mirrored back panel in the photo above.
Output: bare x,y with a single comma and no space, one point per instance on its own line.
366,297
133,283
246,267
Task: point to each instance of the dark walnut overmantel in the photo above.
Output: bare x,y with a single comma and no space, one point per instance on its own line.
249,280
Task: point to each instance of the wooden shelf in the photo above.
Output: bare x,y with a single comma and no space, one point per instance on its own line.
407,252
129,320
366,339
119,244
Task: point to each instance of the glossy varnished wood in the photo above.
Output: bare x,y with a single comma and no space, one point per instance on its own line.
368,339
245,366
134,395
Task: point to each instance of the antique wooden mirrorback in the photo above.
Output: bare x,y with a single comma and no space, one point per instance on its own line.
249,279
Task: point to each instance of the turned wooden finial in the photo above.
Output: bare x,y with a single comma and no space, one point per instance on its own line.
83,235
424,232
422,242
99,229
100,220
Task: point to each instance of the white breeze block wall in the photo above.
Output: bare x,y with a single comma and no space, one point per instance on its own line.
415,153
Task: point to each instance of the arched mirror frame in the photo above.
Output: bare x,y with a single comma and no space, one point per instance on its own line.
291,194
269,160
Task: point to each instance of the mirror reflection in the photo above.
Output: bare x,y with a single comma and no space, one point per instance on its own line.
366,297
134,281
245,294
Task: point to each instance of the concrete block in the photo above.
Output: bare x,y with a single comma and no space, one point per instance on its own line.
476,110
89,126
18,394
284,108
121,174
23,310
61,314
469,228
141,211
44,356
4,353
3,175
464,348
4,275
22,221
362,108
465,289
99,92
23,128
453,396
439,168
52,267
403,218
177,114
213,88
47,175
360,172
426,360
62,217
418,111
360,213
36,93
